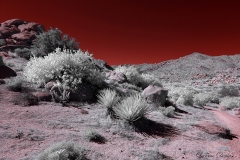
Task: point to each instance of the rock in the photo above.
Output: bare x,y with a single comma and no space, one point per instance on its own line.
236,111
83,92
155,95
19,34
15,22
1,61
7,31
119,77
43,96
6,72
4,54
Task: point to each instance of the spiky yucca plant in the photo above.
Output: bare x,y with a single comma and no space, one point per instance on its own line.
108,98
132,109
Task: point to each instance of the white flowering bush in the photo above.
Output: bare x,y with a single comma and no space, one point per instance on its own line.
230,102
201,99
185,95
185,99
70,69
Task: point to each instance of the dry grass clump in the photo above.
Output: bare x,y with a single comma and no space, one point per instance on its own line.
62,151
93,136
25,99
15,84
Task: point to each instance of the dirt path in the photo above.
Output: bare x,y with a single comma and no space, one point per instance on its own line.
233,123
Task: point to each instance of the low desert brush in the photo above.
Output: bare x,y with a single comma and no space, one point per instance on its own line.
168,112
230,102
229,90
132,109
62,151
15,84
108,98
23,53
93,136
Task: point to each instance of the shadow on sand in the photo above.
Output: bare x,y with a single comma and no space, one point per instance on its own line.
154,129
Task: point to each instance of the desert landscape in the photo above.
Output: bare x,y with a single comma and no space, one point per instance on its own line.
186,108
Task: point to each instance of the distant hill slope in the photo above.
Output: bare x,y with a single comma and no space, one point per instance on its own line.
196,63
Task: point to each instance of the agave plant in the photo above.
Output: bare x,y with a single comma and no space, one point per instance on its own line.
108,98
132,109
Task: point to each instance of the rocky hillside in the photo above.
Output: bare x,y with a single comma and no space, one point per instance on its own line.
193,67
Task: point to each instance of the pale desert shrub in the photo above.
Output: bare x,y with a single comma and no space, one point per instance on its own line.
93,136
108,98
15,84
47,42
185,99
185,95
62,151
69,69
140,80
230,102
132,109
201,99
168,112
23,53
229,90
150,79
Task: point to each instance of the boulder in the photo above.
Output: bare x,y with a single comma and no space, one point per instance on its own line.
155,95
43,96
6,72
117,76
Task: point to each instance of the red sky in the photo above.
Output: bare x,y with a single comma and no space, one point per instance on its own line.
138,31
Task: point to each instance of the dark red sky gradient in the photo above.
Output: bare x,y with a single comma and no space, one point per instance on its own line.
138,31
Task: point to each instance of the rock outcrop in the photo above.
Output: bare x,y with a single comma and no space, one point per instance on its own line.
16,33
155,95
